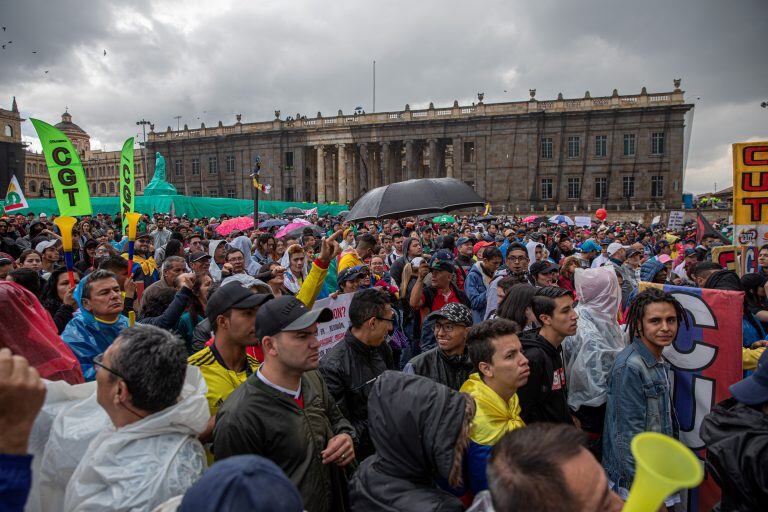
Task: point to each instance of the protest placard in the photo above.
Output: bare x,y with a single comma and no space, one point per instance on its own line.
127,182
750,193
331,333
582,221
675,221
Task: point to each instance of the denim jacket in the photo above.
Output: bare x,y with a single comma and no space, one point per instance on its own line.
639,400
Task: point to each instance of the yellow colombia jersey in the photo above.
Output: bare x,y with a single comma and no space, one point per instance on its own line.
220,380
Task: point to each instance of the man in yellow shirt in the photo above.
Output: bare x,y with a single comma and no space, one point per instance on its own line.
502,369
231,310
357,256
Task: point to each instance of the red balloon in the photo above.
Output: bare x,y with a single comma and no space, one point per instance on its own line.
601,214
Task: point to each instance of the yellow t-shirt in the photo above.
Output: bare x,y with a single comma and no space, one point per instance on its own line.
350,259
221,382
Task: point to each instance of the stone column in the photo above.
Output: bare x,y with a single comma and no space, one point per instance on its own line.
410,160
458,150
434,160
386,163
365,168
320,173
342,174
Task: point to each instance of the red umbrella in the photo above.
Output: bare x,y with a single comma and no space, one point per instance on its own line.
530,218
236,224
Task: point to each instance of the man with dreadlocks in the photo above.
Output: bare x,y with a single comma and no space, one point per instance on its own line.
639,393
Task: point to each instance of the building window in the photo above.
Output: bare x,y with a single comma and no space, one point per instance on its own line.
657,143
574,147
629,144
657,186
8,130
230,193
289,160
213,192
195,193
546,188
196,167
230,163
574,188
546,148
178,168
213,165
628,189
32,186
93,189
469,152
111,187
601,145
601,188
138,186
103,188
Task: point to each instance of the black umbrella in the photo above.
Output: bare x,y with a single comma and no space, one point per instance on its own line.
415,197
292,210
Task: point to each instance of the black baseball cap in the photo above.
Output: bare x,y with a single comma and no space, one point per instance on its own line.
198,256
441,264
453,312
462,240
543,266
348,274
233,296
287,313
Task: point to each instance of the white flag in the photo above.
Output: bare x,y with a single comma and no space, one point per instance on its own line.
14,199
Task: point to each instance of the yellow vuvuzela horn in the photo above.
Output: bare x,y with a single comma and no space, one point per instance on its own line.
663,466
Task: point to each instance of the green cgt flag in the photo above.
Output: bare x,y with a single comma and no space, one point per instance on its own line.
127,182
66,170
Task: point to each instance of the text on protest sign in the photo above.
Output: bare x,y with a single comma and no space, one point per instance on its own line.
14,199
331,333
66,170
127,182
675,221
750,193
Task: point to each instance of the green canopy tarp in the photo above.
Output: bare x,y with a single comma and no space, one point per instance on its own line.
193,207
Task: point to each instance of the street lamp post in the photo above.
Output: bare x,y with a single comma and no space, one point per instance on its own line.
144,124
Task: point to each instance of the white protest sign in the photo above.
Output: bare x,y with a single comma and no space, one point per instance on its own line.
583,222
331,333
675,221
656,219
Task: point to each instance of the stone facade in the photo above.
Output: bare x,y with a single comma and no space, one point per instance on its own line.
619,151
101,167
11,148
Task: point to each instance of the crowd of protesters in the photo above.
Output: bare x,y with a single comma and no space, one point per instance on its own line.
488,364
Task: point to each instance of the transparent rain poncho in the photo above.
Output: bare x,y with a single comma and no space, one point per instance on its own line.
589,354
86,464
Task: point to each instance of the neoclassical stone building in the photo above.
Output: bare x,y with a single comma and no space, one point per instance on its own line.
101,167
621,151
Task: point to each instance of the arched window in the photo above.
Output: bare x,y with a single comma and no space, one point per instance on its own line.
111,187
8,130
93,189
138,186
32,186
103,188
34,168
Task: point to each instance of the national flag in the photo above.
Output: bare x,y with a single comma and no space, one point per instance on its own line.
487,209
265,188
14,198
703,227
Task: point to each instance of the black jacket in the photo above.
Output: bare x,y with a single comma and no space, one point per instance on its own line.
545,396
415,425
350,369
449,371
736,436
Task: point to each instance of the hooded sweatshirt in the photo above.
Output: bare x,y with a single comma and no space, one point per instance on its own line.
545,396
214,268
401,475
87,336
396,271
736,436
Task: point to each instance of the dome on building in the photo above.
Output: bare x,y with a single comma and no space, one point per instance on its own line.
67,126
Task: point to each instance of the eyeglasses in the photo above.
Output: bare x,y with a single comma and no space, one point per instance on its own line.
518,259
236,260
447,327
98,362
385,319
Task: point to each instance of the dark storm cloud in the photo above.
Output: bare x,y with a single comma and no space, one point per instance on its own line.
207,61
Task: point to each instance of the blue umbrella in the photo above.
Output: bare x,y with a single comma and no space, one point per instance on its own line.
557,219
272,223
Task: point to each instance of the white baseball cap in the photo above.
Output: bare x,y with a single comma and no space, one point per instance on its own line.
615,246
45,244
43,215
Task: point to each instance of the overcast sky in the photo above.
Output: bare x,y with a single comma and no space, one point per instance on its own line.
207,61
